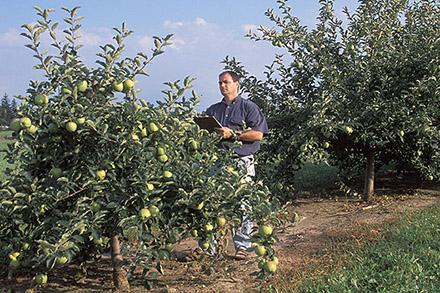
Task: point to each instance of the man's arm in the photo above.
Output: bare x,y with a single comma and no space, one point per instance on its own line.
248,135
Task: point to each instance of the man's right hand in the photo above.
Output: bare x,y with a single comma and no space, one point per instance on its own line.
225,132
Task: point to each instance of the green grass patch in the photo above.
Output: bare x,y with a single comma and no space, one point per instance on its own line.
315,177
5,133
406,259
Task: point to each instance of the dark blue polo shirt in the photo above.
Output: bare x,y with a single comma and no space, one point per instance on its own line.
239,113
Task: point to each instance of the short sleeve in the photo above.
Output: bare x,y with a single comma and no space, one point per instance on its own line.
255,118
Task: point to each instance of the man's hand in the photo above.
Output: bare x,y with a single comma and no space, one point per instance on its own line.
225,132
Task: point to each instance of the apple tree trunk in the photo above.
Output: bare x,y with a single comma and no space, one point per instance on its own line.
369,176
120,276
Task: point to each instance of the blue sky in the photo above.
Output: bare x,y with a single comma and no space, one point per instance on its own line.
204,33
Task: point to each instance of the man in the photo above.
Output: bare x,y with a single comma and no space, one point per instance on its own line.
234,113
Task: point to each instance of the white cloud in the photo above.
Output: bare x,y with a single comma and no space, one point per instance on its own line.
11,38
146,42
172,24
177,43
200,21
90,39
249,27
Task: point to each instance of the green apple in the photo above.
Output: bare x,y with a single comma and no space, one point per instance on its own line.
32,129
160,151
71,126
221,221
194,145
81,86
62,260
209,227
56,172
205,245
154,210
40,279
41,100
81,120
128,85
260,250
144,213
348,130
118,86
101,174
270,266
152,127
265,230
163,158
25,122
167,174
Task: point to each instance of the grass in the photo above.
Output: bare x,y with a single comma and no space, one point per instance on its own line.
406,259
315,177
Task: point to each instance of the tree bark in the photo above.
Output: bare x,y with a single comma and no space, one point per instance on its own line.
369,176
120,279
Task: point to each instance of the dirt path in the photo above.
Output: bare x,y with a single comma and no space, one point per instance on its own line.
323,225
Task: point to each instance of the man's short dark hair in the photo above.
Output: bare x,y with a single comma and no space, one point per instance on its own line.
234,75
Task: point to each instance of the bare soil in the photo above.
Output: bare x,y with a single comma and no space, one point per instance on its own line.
307,248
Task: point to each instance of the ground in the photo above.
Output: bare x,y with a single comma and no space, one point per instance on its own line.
308,247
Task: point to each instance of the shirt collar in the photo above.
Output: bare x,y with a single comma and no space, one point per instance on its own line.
237,99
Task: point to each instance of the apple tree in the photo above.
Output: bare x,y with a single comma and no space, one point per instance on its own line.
98,168
359,93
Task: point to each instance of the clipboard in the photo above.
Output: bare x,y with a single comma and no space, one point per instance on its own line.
207,122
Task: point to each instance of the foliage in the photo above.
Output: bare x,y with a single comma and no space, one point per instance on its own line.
95,161
344,91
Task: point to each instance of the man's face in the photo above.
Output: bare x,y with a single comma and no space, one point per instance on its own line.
227,85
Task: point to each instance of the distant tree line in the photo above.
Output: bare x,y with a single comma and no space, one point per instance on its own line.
7,110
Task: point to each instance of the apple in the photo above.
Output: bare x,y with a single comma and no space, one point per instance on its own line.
260,250
270,266
167,174
221,221
150,186
62,260
41,100
32,129
71,126
152,127
154,210
144,213
81,86
265,230
118,86
101,174
163,158
160,151
40,279
128,85
81,120
56,172
209,227
348,130
194,145
26,122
